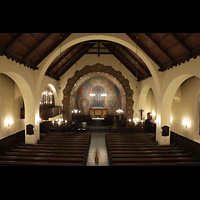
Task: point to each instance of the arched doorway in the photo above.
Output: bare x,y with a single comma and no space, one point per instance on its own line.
97,68
29,105
11,107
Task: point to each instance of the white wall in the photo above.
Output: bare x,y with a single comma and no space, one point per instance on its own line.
185,107
10,103
150,104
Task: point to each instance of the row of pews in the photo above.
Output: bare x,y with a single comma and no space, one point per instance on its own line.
141,149
54,149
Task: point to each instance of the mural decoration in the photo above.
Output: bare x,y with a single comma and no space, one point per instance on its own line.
79,93
106,95
98,101
113,104
84,105
127,103
116,90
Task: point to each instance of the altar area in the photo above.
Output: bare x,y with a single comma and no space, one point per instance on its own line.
97,113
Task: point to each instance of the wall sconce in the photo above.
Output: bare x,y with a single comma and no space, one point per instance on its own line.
38,120
8,122
153,114
171,119
186,123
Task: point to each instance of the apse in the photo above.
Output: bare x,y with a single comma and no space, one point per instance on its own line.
98,91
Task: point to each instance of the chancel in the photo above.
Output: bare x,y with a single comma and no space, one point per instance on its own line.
88,99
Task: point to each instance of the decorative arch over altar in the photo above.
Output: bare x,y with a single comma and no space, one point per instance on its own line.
67,92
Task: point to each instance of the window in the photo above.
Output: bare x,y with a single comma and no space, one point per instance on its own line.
98,97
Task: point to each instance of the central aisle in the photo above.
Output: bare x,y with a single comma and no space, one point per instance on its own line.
98,142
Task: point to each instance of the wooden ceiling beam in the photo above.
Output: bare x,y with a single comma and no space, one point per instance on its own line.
182,43
97,53
81,51
161,48
135,40
63,55
36,46
127,63
72,53
52,48
136,60
12,41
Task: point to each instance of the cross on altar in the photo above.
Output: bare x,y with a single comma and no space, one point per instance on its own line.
141,111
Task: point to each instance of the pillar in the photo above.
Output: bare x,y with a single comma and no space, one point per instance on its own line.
32,124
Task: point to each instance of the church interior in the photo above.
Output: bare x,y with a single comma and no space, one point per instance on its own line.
99,99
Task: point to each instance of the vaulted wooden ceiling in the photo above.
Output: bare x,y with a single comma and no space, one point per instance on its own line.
29,48
165,49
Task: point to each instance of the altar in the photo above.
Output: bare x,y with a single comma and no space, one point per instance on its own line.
98,112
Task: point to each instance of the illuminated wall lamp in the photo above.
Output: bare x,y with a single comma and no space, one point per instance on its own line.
186,123
38,120
153,114
158,120
8,122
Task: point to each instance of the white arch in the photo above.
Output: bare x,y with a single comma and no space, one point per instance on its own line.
143,95
26,94
197,116
53,88
169,95
55,94
31,117
172,79
120,38
24,78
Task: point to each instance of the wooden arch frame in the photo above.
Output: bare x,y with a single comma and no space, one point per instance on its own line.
97,68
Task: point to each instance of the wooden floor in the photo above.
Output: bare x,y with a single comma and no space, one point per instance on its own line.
54,149
142,150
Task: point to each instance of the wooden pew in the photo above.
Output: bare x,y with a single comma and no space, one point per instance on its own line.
53,150
72,151
43,159
158,164
50,154
142,150
27,163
